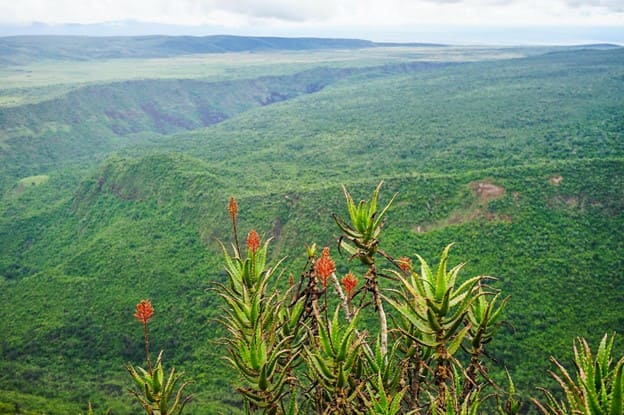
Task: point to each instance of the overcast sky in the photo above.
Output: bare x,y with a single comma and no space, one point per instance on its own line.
381,19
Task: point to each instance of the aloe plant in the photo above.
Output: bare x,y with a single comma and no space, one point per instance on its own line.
382,402
157,394
597,388
361,239
256,345
91,411
335,364
292,357
364,225
433,308
485,319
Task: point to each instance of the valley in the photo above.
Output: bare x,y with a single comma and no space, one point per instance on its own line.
116,171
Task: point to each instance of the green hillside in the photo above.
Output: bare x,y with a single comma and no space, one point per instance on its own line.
92,121
106,200
21,49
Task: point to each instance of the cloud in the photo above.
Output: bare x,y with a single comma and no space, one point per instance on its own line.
473,2
285,14
296,11
616,6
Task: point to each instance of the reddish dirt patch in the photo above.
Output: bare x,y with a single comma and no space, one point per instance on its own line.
555,180
485,191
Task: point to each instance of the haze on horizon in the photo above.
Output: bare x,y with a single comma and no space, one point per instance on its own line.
450,21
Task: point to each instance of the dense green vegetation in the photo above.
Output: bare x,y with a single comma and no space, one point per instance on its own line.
114,192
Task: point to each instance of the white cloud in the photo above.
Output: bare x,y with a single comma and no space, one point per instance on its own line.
609,5
282,9
288,13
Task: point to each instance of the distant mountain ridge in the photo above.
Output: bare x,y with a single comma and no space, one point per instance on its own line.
22,49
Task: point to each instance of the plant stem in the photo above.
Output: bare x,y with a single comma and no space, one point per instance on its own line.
235,231
147,356
348,312
343,298
470,381
315,306
371,276
442,375
382,320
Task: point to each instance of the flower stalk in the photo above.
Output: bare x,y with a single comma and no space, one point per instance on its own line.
233,211
145,311
155,392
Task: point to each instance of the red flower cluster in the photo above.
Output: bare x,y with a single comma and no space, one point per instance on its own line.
349,282
144,311
324,267
405,264
253,241
233,208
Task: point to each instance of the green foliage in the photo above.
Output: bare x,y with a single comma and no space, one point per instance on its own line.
75,252
381,402
254,345
91,411
432,307
155,393
330,363
598,387
364,224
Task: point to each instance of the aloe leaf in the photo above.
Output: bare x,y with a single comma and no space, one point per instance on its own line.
617,393
498,312
381,215
433,321
456,341
350,204
411,316
324,338
322,368
395,406
158,379
407,284
450,327
178,406
440,278
426,282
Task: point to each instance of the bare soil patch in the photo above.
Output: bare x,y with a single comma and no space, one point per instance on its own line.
483,191
555,180
486,191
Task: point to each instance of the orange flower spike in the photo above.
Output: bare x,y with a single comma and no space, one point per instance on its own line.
253,241
405,264
349,282
233,208
324,267
144,311
325,252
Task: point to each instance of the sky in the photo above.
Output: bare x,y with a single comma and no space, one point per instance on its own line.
529,21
